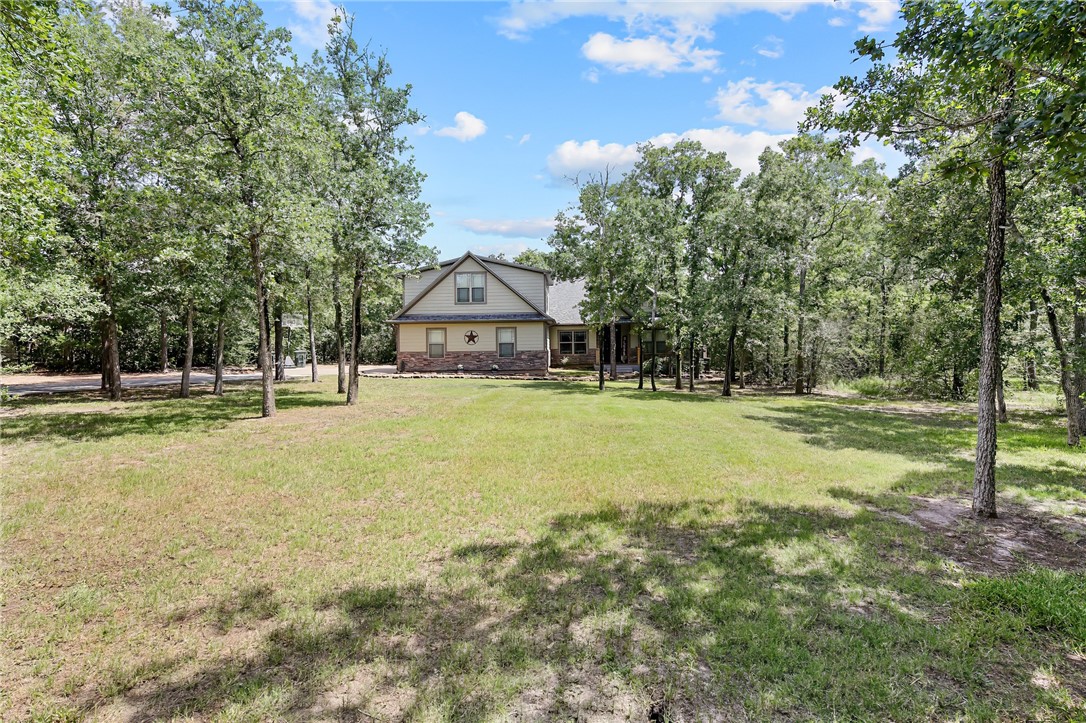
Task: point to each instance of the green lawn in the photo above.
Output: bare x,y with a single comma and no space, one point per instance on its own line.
484,549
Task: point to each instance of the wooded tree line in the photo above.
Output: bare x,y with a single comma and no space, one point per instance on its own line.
166,169
964,273
180,175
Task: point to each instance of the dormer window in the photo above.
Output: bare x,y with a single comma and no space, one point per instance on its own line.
471,288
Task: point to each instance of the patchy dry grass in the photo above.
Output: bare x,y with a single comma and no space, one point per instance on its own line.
474,549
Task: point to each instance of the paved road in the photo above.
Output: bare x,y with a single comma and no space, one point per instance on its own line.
45,384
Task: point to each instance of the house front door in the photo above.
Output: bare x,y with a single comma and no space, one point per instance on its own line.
623,344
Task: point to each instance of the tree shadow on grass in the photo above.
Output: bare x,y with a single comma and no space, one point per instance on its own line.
684,611
148,411
624,392
946,439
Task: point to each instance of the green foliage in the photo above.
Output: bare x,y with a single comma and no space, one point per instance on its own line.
876,387
145,153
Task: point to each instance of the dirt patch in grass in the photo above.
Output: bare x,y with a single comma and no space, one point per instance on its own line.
1019,537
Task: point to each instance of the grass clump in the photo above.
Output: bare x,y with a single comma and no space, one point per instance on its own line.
876,387
1043,599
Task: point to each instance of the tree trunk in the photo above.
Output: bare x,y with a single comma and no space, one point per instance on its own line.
599,353
111,353
356,338
341,352
104,354
114,356
280,359
614,351
313,375
1031,360
267,381
678,362
884,302
186,369
984,490
1078,356
799,332
1070,400
220,348
1001,402
726,389
163,343
787,353
640,361
652,368
693,364
768,364
742,364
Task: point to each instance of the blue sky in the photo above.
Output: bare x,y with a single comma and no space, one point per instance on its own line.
518,97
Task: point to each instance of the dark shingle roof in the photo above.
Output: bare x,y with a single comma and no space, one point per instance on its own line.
484,260
564,301
453,318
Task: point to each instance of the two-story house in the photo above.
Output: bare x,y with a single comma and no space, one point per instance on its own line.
481,314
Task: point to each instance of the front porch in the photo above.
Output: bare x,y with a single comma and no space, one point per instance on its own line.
621,368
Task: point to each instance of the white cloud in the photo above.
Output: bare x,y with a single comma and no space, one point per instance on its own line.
673,20
883,153
838,21
524,139
774,105
467,127
522,18
877,15
771,47
311,30
653,54
574,158
592,75
510,228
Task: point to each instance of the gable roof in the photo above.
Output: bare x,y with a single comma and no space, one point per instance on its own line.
486,261
453,266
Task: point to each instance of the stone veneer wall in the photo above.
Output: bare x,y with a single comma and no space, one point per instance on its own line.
525,362
573,360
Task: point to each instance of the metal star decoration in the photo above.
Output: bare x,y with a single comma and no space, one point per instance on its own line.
471,337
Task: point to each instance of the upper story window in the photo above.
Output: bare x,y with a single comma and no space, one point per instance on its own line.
471,288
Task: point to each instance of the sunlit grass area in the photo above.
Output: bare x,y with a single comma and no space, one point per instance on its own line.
474,549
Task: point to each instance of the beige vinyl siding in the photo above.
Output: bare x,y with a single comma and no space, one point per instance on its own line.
413,285
442,298
529,283
531,336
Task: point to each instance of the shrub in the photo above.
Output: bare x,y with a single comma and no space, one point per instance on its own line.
873,387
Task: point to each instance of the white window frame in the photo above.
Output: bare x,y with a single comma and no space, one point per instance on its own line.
471,286
430,345
498,335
